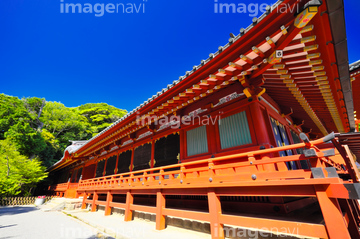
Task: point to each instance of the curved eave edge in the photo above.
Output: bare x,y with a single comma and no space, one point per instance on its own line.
59,163
337,24
67,153
56,165
354,66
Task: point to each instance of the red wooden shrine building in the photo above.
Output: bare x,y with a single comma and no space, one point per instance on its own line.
225,139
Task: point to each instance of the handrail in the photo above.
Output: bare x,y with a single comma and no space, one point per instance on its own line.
60,186
142,174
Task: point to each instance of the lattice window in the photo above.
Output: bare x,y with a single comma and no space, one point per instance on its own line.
197,141
142,157
110,165
234,131
167,150
124,162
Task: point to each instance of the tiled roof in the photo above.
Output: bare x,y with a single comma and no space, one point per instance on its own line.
354,66
243,31
71,149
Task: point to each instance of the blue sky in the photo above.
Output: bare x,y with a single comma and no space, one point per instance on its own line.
120,59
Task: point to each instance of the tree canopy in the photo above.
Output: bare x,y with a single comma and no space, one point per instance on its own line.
100,115
34,134
18,174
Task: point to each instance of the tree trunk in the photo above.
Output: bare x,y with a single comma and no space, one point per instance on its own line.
40,124
8,166
30,191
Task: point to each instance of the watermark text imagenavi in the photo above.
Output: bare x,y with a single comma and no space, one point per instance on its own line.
252,9
100,9
175,122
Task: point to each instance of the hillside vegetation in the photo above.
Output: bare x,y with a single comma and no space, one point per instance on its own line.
34,134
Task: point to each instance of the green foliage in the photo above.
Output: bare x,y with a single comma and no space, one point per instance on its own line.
64,123
52,153
33,105
100,115
18,174
28,141
34,134
12,111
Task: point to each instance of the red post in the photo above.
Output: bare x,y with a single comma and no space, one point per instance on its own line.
104,172
96,164
211,137
334,221
128,211
182,144
132,160
160,205
93,205
117,162
83,205
109,199
152,164
262,134
217,229
261,131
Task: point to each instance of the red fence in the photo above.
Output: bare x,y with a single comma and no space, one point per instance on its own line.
256,173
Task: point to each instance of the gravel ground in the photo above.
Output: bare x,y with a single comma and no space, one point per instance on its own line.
28,222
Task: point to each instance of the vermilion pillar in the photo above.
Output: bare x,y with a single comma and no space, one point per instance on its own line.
83,205
128,211
217,229
160,205
93,205
333,217
261,131
257,116
109,199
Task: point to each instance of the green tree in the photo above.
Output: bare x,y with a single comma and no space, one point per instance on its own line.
64,123
18,174
34,106
43,129
34,133
52,152
12,111
100,115
28,141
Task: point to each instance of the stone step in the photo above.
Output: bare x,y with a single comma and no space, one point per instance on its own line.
62,203
54,204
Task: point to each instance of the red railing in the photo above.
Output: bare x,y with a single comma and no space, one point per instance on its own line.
59,187
256,173
252,166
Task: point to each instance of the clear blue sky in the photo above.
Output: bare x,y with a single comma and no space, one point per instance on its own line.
120,59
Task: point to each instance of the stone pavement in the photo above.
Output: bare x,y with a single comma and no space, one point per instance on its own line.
28,222
115,226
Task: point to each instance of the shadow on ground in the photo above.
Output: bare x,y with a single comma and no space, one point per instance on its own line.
7,226
15,210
